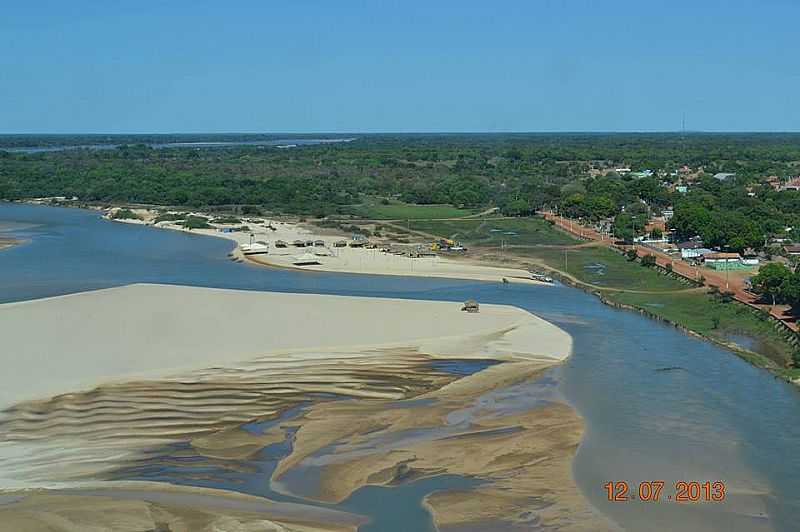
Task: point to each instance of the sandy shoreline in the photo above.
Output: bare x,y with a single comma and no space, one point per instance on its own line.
340,259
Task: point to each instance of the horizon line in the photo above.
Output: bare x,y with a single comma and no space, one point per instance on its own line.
408,132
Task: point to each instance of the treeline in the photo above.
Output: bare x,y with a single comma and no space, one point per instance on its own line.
518,173
735,216
779,283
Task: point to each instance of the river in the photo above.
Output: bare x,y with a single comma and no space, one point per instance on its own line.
288,142
714,418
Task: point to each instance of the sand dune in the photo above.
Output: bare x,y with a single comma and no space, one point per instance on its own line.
122,369
69,343
109,385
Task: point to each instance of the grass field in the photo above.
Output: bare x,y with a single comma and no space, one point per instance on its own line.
408,211
602,267
491,232
708,315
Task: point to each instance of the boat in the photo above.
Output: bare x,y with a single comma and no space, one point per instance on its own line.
541,277
256,248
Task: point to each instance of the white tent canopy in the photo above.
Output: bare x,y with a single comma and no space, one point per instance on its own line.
305,259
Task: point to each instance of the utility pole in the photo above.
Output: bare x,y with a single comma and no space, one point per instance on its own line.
726,274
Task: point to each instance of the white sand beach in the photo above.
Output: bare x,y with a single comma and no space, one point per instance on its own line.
376,262
69,343
346,259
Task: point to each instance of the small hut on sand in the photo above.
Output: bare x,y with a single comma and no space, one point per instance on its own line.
471,306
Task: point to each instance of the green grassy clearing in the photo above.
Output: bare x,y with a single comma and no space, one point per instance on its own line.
602,267
408,211
491,232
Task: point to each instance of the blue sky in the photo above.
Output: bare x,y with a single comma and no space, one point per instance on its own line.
368,66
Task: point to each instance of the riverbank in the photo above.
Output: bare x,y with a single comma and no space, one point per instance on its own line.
145,370
330,250
655,292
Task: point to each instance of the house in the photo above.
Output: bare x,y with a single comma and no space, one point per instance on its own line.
643,173
683,189
724,176
774,182
792,249
692,249
793,184
723,261
656,223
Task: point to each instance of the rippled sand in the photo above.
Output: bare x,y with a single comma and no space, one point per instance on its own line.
194,384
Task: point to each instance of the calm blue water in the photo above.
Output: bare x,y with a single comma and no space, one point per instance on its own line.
721,419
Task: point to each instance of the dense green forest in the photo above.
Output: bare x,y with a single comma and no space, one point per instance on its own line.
519,173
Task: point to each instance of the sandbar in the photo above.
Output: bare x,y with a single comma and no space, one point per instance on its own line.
73,342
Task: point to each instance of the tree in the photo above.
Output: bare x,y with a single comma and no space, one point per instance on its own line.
623,227
732,230
598,207
790,290
574,205
690,219
649,260
517,207
656,234
772,280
